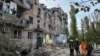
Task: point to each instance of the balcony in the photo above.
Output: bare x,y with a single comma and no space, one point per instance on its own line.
19,2
13,20
38,29
24,22
23,3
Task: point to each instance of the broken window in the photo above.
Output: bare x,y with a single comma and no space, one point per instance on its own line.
39,11
35,2
38,21
27,22
10,7
20,10
24,22
29,35
30,20
38,16
44,24
53,11
13,8
31,5
38,26
13,11
49,26
6,7
27,4
17,34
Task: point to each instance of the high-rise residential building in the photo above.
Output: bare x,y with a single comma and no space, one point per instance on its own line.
24,20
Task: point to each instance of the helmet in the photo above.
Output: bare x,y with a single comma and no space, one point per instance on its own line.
76,39
71,40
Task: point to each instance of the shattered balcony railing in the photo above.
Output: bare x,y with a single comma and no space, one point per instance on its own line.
19,3
23,4
12,19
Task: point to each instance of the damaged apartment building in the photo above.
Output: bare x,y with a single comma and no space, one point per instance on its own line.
25,20
16,18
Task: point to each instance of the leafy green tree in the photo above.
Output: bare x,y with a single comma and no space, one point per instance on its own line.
86,22
86,8
90,32
73,24
92,29
95,28
86,29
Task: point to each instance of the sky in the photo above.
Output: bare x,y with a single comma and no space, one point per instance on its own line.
65,5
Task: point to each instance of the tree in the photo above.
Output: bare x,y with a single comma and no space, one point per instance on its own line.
96,27
73,24
87,29
81,6
92,28
86,23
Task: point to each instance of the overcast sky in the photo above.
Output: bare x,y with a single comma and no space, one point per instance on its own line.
65,5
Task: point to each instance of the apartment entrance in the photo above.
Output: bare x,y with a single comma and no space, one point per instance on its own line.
39,37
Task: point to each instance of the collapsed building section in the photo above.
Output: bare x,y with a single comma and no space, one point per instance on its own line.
11,13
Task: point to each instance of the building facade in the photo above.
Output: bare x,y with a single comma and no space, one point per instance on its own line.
24,20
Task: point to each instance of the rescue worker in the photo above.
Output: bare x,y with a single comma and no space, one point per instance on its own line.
76,45
71,47
84,48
